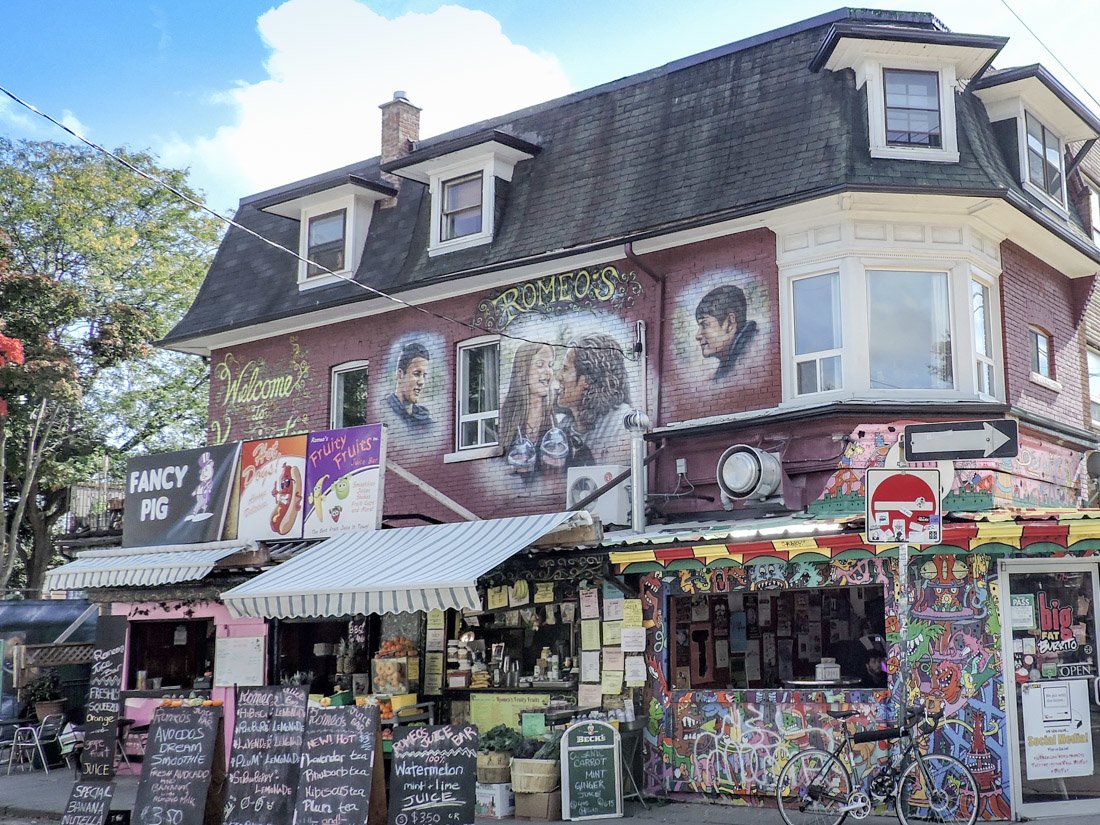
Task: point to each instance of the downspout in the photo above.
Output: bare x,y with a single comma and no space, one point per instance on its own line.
628,250
637,423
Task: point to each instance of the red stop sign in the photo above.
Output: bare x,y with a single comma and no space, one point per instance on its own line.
903,506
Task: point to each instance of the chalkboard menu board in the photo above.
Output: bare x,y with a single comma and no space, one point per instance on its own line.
341,769
591,774
183,754
97,760
89,803
433,777
267,746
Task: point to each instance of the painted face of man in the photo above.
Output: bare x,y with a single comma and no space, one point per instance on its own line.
714,336
571,386
411,381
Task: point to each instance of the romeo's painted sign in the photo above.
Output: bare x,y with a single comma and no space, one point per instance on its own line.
178,498
344,472
271,488
559,294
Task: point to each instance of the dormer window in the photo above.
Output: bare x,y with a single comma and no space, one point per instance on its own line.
333,217
912,108
1044,158
463,177
326,242
462,207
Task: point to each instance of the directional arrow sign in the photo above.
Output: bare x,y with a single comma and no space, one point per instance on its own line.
960,440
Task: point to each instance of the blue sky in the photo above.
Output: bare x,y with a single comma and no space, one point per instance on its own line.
250,94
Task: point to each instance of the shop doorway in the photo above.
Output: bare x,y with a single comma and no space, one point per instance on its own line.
1049,617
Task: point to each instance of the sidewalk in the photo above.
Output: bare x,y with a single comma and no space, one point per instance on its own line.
30,797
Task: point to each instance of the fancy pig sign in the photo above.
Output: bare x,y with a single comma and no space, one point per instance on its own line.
178,498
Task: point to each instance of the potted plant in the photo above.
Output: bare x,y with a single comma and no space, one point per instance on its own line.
44,693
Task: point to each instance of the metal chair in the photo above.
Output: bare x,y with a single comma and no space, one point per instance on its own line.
121,755
30,742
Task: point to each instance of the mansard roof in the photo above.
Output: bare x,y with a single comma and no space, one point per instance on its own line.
731,132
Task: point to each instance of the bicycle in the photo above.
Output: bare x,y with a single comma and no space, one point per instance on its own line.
816,786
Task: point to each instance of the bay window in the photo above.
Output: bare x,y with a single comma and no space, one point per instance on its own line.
816,302
909,331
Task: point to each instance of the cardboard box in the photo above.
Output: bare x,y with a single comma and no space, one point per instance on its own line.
539,805
495,801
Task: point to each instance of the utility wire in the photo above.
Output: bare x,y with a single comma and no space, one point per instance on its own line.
1053,56
200,205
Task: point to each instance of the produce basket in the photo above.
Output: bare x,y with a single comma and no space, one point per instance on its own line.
493,767
535,775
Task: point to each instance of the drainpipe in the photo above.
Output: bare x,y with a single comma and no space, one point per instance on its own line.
637,424
628,250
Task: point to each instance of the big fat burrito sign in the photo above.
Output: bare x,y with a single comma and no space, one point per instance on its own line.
180,497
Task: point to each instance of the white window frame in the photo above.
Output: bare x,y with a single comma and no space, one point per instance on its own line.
461,394
1092,368
357,216
335,398
1050,377
871,72
1094,209
1058,200
819,355
980,359
486,166
855,352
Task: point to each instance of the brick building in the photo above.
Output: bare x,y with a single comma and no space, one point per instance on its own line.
798,243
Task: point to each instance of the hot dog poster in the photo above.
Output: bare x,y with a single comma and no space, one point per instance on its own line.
180,497
344,473
272,488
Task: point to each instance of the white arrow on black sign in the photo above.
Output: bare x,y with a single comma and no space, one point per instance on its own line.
960,440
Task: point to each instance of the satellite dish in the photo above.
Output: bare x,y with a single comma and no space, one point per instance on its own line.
747,472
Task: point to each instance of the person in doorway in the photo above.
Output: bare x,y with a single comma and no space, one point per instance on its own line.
724,330
874,669
412,377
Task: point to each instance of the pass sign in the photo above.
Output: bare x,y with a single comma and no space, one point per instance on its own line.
903,507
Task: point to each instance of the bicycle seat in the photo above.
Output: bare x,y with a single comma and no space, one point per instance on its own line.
842,714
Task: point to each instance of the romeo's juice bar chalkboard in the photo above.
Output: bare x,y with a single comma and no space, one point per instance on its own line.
434,775
341,769
267,746
183,753
97,760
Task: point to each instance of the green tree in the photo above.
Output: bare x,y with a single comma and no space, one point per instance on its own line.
99,263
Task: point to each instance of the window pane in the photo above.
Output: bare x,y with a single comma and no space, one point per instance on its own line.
807,377
462,194
1094,381
910,331
830,373
350,404
912,108
816,314
326,242
462,224
478,395
980,311
985,378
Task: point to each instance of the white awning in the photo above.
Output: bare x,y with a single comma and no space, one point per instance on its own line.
142,566
389,571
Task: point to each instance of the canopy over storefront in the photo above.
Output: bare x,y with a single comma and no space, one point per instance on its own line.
390,571
143,566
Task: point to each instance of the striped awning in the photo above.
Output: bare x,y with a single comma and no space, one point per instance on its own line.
389,571
142,566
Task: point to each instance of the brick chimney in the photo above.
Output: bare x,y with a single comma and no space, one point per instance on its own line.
400,129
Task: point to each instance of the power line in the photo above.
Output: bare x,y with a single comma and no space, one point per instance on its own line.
202,206
1053,56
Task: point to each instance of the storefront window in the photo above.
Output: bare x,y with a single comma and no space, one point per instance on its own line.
171,654
773,638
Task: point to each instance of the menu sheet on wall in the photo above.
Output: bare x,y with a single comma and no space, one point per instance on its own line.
434,775
97,760
183,753
1057,730
341,768
239,661
267,745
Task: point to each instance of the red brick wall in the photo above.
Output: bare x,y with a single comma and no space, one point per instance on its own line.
290,390
1033,293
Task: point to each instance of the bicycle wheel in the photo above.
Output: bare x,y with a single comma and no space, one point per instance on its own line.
945,791
813,789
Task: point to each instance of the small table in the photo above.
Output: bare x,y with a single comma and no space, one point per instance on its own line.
630,740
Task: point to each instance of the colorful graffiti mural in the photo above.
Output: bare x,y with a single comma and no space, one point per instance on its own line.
733,743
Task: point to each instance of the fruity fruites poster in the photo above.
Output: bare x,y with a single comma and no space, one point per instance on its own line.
344,472
272,488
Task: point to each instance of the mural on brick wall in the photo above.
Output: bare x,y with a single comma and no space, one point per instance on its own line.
1042,475
257,398
568,374
734,743
721,323
411,395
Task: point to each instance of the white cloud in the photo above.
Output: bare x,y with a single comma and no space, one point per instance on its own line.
332,63
70,121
